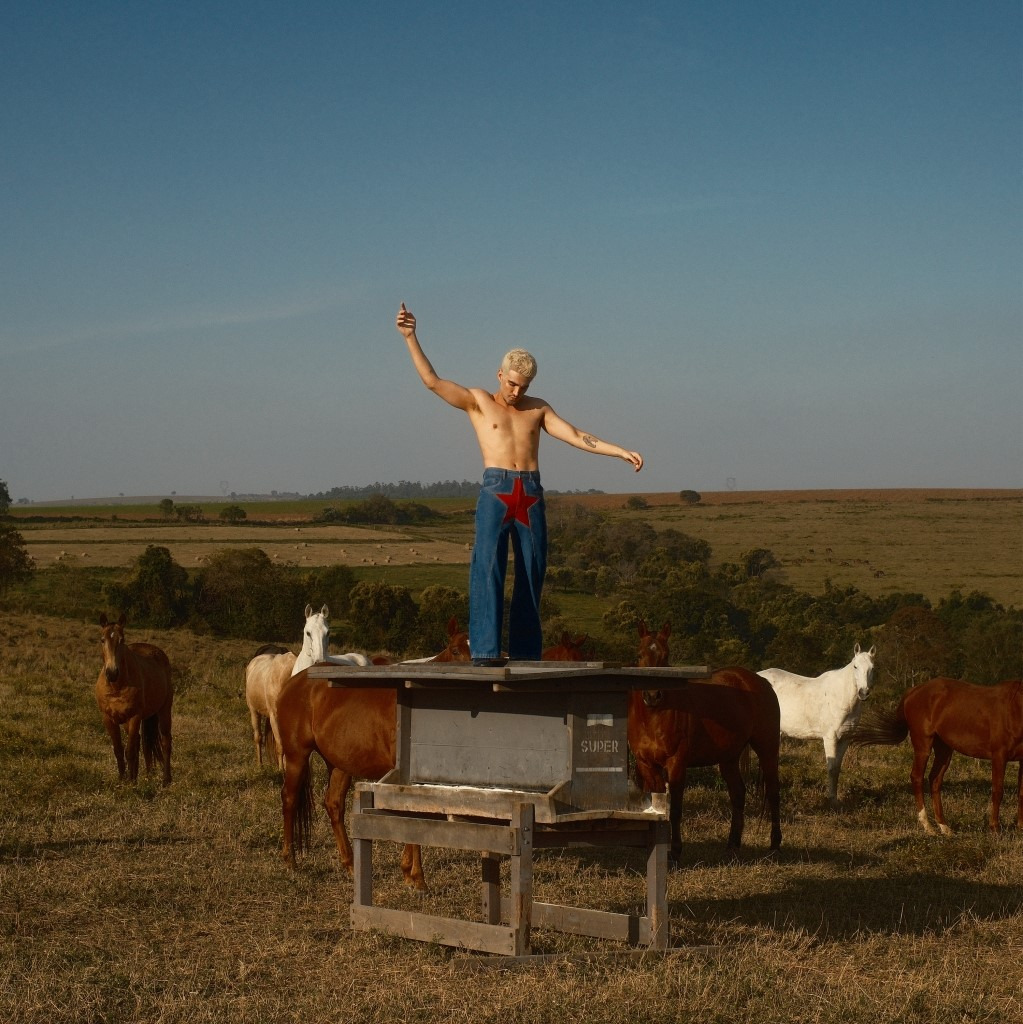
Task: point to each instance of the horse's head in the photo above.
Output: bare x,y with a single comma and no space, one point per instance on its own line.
653,653
653,647
863,671
316,635
570,648
458,644
112,642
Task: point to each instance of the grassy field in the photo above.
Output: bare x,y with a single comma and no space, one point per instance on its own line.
134,903
929,542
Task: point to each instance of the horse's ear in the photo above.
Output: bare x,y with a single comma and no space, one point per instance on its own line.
872,651
856,647
641,625
122,619
325,612
103,620
452,626
308,610
666,630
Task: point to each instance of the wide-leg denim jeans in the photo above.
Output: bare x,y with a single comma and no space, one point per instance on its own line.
510,505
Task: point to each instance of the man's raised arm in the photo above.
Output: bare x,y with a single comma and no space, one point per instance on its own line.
452,393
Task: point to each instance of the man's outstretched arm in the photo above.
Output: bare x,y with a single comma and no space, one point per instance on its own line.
564,431
452,393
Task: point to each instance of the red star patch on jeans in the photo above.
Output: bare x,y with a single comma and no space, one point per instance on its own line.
519,503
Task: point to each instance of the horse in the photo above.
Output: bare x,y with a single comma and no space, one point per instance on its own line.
271,665
570,649
353,729
825,707
948,716
266,672
134,689
708,722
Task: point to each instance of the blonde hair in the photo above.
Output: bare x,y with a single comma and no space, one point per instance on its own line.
521,361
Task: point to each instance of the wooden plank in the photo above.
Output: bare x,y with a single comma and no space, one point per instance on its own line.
469,801
598,924
657,888
446,931
450,835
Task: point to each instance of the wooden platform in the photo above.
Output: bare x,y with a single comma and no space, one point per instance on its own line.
503,761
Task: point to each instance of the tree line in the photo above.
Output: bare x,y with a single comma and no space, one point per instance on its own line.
741,613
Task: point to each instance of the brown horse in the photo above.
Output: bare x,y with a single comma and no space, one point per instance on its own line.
134,689
353,730
708,722
571,648
948,715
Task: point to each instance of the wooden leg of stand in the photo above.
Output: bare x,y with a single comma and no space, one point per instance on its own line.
491,868
657,885
522,878
362,850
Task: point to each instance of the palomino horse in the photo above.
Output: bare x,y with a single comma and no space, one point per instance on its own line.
705,723
825,707
134,689
266,672
571,648
948,715
353,730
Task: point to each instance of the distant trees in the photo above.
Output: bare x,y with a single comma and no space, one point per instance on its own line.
232,514
5,498
690,497
157,594
16,565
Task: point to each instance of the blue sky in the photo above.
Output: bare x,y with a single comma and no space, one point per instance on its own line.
769,246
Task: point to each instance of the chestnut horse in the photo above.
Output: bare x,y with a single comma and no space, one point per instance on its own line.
571,648
708,722
946,716
353,730
134,689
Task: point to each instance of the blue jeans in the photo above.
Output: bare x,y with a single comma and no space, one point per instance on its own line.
510,505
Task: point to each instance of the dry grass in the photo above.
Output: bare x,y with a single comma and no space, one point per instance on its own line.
122,903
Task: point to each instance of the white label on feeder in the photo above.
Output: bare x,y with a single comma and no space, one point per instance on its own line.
608,720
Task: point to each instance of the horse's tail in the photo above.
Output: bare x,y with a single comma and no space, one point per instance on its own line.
304,808
880,726
150,740
267,741
753,779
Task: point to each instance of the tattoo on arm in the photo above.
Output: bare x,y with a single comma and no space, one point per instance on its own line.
589,440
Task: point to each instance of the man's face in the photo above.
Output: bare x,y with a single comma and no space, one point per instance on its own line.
513,385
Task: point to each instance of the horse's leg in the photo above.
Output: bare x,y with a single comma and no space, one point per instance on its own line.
997,785
295,797
921,752
132,750
275,731
942,759
257,733
768,754
737,797
166,742
676,791
833,758
334,803
412,866
114,732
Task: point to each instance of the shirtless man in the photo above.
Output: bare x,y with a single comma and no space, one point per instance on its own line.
507,424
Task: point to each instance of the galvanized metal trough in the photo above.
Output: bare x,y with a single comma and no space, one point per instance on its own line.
504,761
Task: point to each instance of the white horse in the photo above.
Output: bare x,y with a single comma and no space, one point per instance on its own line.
826,707
266,673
